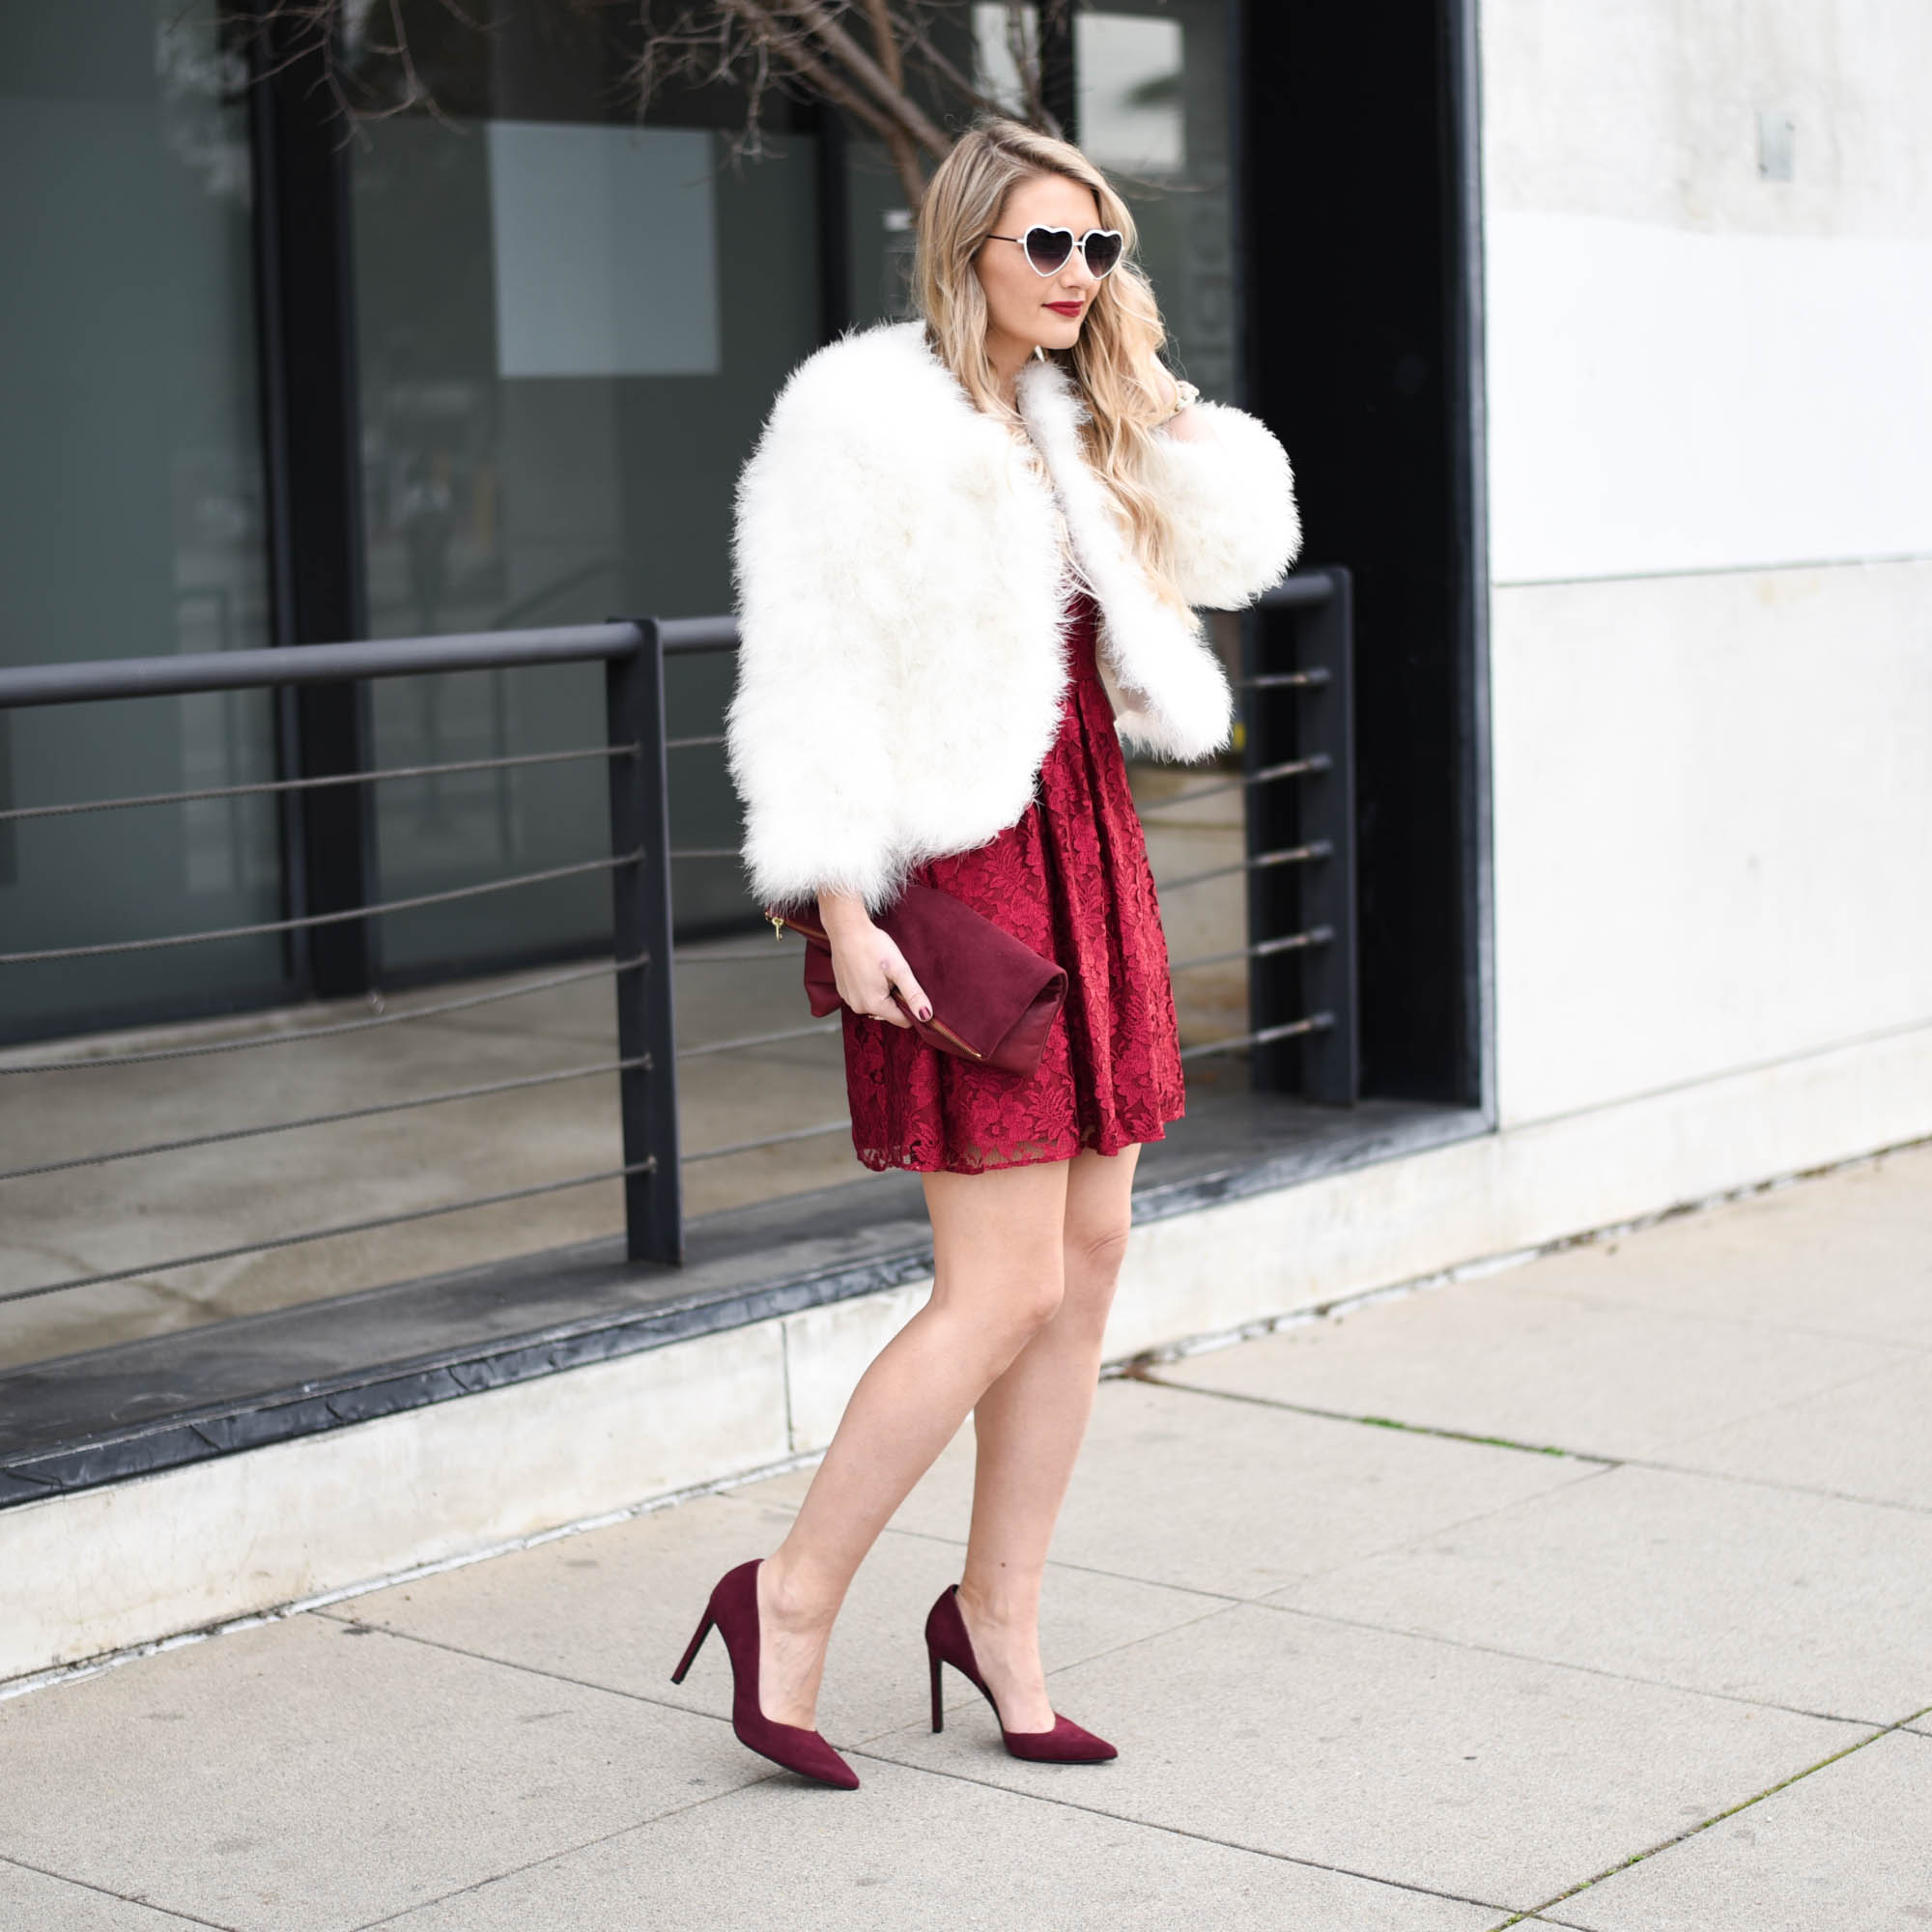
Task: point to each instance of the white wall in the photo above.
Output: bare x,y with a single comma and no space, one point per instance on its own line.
1710,496
1663,399
1713,824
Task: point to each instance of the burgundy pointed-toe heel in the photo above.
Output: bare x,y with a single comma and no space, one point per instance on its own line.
947,1642
734,1610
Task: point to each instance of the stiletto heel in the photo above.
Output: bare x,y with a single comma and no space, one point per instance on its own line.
947,1641
734,1610
705,1629
938,1705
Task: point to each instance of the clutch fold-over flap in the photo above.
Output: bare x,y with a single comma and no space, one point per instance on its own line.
994,999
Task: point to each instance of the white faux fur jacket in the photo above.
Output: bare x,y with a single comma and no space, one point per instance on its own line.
900,589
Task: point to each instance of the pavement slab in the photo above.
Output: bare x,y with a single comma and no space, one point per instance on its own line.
1849,1845
910,1849
1869,1439
1847,1253
1407,1760
1607,1380
1808,1602
615,1608
1236,1499
31,1901
300,1775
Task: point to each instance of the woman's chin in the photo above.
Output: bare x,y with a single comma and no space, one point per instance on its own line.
1063,333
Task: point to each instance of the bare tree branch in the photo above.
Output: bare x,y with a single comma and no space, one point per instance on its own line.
1024,52
861,64
885,40
937,64
798,46
811,68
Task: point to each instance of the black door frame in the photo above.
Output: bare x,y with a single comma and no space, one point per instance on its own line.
306,313
1359,210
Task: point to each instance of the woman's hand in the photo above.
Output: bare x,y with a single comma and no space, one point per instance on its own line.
1190,426
1186,424
866,963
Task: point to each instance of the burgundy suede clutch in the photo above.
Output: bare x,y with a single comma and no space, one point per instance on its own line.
993,997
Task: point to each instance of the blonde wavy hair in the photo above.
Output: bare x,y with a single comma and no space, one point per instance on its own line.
1116,363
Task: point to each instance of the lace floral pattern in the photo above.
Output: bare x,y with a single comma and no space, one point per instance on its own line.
1070,879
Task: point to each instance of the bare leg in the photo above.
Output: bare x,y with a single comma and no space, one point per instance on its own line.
997,1246
1028,1427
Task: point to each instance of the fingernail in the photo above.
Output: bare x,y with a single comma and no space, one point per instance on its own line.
926,1012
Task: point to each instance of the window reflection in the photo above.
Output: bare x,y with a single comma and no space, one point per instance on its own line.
570,328
131,470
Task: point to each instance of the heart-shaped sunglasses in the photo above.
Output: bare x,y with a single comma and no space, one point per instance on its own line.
1047,249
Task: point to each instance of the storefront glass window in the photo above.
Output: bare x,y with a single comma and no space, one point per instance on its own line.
570,327
131,495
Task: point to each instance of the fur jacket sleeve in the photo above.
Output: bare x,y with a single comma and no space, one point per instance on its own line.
900,586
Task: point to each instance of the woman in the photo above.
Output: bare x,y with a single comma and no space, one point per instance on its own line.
967,551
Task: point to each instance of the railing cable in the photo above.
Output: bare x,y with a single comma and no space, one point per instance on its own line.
752,1039
1296,680
1292,768
1293,942
337,1029
1288,855
330,1119
372,911
769,1139
1289,1030
314,784
328,1233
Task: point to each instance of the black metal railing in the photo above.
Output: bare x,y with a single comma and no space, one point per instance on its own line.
1298,866
1297,685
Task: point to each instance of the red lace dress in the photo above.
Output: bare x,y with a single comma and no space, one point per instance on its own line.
1070,879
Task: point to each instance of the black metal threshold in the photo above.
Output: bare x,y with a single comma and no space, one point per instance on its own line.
100,1417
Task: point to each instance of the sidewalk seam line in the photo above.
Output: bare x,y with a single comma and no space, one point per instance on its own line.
1180,1832
1597,1298
1718,1818
1139,1374
1269,1602
1564,1664
521,1668
1084,1569
109,1891
1220,1610
564,1851
1780,1489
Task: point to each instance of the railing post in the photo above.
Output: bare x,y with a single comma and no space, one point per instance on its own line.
1330,1059
1267,719
1307,714
641,927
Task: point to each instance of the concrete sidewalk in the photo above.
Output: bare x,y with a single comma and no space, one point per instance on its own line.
1594,1593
